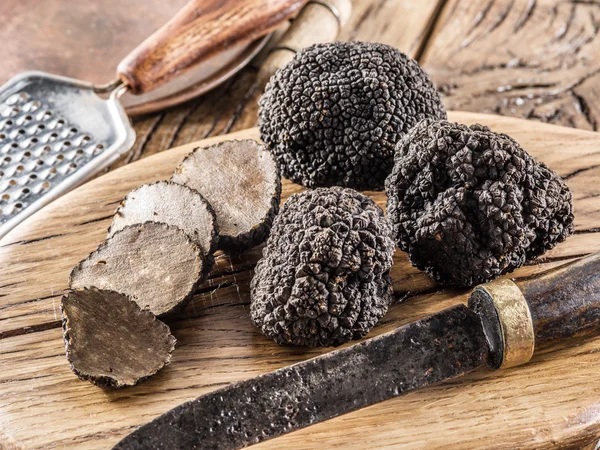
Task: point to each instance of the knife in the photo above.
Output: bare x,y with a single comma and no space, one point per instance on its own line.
500,328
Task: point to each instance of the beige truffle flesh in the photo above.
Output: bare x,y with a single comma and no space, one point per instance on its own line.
240,179
173,204
110,340
157,265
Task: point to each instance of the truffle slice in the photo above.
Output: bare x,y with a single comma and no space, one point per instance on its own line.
324,276
110,341
173,204
157,265
333,114
469,205
241,181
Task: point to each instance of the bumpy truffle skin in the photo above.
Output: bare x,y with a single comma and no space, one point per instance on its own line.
324,276
469,205
333,115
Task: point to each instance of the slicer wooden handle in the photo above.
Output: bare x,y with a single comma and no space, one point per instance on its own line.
517,317
319,21
200,30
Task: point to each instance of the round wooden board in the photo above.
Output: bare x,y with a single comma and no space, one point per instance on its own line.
553,402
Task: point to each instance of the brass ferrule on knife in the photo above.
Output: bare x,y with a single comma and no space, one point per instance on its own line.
507,323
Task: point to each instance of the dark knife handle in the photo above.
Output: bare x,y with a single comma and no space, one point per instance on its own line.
565,301
517,317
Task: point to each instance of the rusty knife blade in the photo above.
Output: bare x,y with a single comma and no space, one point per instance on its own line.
428,351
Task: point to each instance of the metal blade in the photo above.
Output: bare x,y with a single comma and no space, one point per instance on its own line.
437,348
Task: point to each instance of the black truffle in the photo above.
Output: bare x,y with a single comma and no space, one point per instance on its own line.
110,341
333,115
157,265
324,276
469,205
241,181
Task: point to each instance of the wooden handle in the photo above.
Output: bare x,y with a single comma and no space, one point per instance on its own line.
201,29
565,301
319,21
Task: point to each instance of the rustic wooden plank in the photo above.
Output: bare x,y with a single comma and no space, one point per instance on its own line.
233,106
536,59
43,405
400,23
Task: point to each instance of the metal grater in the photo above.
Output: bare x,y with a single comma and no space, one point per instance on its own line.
55,133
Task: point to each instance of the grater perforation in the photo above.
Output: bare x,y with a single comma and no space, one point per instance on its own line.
33,140
54,134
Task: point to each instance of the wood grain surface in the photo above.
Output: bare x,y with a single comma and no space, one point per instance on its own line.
537,59
551,403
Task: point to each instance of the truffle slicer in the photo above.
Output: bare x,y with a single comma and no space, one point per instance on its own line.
57,132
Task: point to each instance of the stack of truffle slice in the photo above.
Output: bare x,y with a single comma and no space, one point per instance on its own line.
159,249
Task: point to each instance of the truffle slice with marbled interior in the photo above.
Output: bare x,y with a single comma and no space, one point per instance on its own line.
240,179
173,204
157,265
110,340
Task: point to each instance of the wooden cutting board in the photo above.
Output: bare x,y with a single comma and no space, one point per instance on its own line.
553,402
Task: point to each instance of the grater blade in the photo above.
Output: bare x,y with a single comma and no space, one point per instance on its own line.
55,133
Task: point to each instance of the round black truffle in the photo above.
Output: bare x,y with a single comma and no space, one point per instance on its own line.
333,115
469,205
324,276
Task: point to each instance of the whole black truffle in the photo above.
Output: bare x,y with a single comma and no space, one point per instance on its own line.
469,205
324,276
333,115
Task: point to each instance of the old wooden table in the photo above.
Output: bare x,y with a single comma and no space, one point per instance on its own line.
535,59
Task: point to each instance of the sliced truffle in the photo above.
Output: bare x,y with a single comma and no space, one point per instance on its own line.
173,204
324,275
157,265
333,115
110,341
241,181
469,205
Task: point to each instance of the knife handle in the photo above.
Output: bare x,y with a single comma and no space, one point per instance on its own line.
565,301
517,317
200,30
